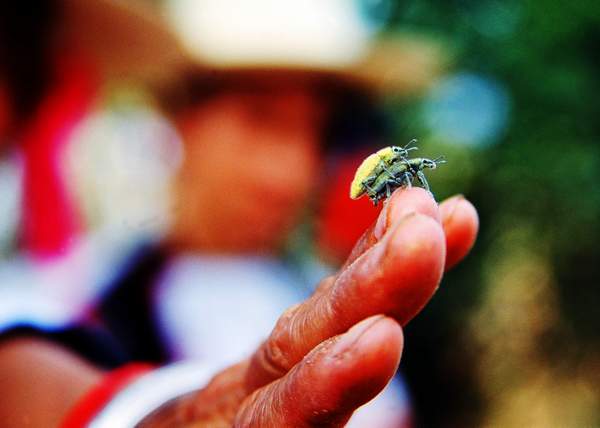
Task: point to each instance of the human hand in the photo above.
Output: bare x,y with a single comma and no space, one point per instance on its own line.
338,349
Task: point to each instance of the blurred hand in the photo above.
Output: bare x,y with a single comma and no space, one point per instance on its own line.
338,349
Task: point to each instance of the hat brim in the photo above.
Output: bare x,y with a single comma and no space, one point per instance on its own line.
400,65
131,39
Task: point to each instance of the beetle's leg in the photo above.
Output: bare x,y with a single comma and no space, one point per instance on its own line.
369,188
403,180
388,192
423,180
385,168
372,194
366,183
369,179
407,179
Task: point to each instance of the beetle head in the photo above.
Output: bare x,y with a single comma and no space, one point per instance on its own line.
428,163
432,163
403,151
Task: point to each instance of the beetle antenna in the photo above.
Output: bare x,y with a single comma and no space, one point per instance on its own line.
413,141
440,159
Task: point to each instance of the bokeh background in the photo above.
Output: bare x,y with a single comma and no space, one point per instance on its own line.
512,337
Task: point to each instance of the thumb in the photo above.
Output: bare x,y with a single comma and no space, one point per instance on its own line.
332,381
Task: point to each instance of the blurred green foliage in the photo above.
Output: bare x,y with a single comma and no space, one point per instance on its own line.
540,175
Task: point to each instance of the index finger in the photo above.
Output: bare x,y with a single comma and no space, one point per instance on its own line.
402,202
395,276
456,214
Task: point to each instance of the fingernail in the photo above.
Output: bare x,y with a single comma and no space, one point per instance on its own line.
401,205
349,338
383,224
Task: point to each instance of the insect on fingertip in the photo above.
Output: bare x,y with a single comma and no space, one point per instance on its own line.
388,169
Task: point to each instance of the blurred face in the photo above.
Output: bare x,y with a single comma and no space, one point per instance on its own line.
251,159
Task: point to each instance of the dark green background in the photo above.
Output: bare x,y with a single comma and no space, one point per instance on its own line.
537,189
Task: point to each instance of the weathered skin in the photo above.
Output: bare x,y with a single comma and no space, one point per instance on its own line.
394,269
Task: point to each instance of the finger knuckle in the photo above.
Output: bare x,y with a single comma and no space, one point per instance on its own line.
273,357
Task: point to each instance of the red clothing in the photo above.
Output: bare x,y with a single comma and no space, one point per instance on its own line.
50,219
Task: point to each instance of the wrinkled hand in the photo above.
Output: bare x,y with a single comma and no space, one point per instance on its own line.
338,349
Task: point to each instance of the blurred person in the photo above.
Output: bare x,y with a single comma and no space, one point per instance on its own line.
54,74
255,138
223,283
50,80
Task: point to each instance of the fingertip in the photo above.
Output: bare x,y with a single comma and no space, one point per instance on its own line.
355,369
461,224
377,336
381,343
413,264
359,368
334,379
403,202
417,242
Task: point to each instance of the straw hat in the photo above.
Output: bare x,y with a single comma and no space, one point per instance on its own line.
336,37
126,39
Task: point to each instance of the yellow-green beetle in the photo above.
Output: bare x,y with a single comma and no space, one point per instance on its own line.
375,164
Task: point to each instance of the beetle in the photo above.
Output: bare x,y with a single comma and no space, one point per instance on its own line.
400,174
375,164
